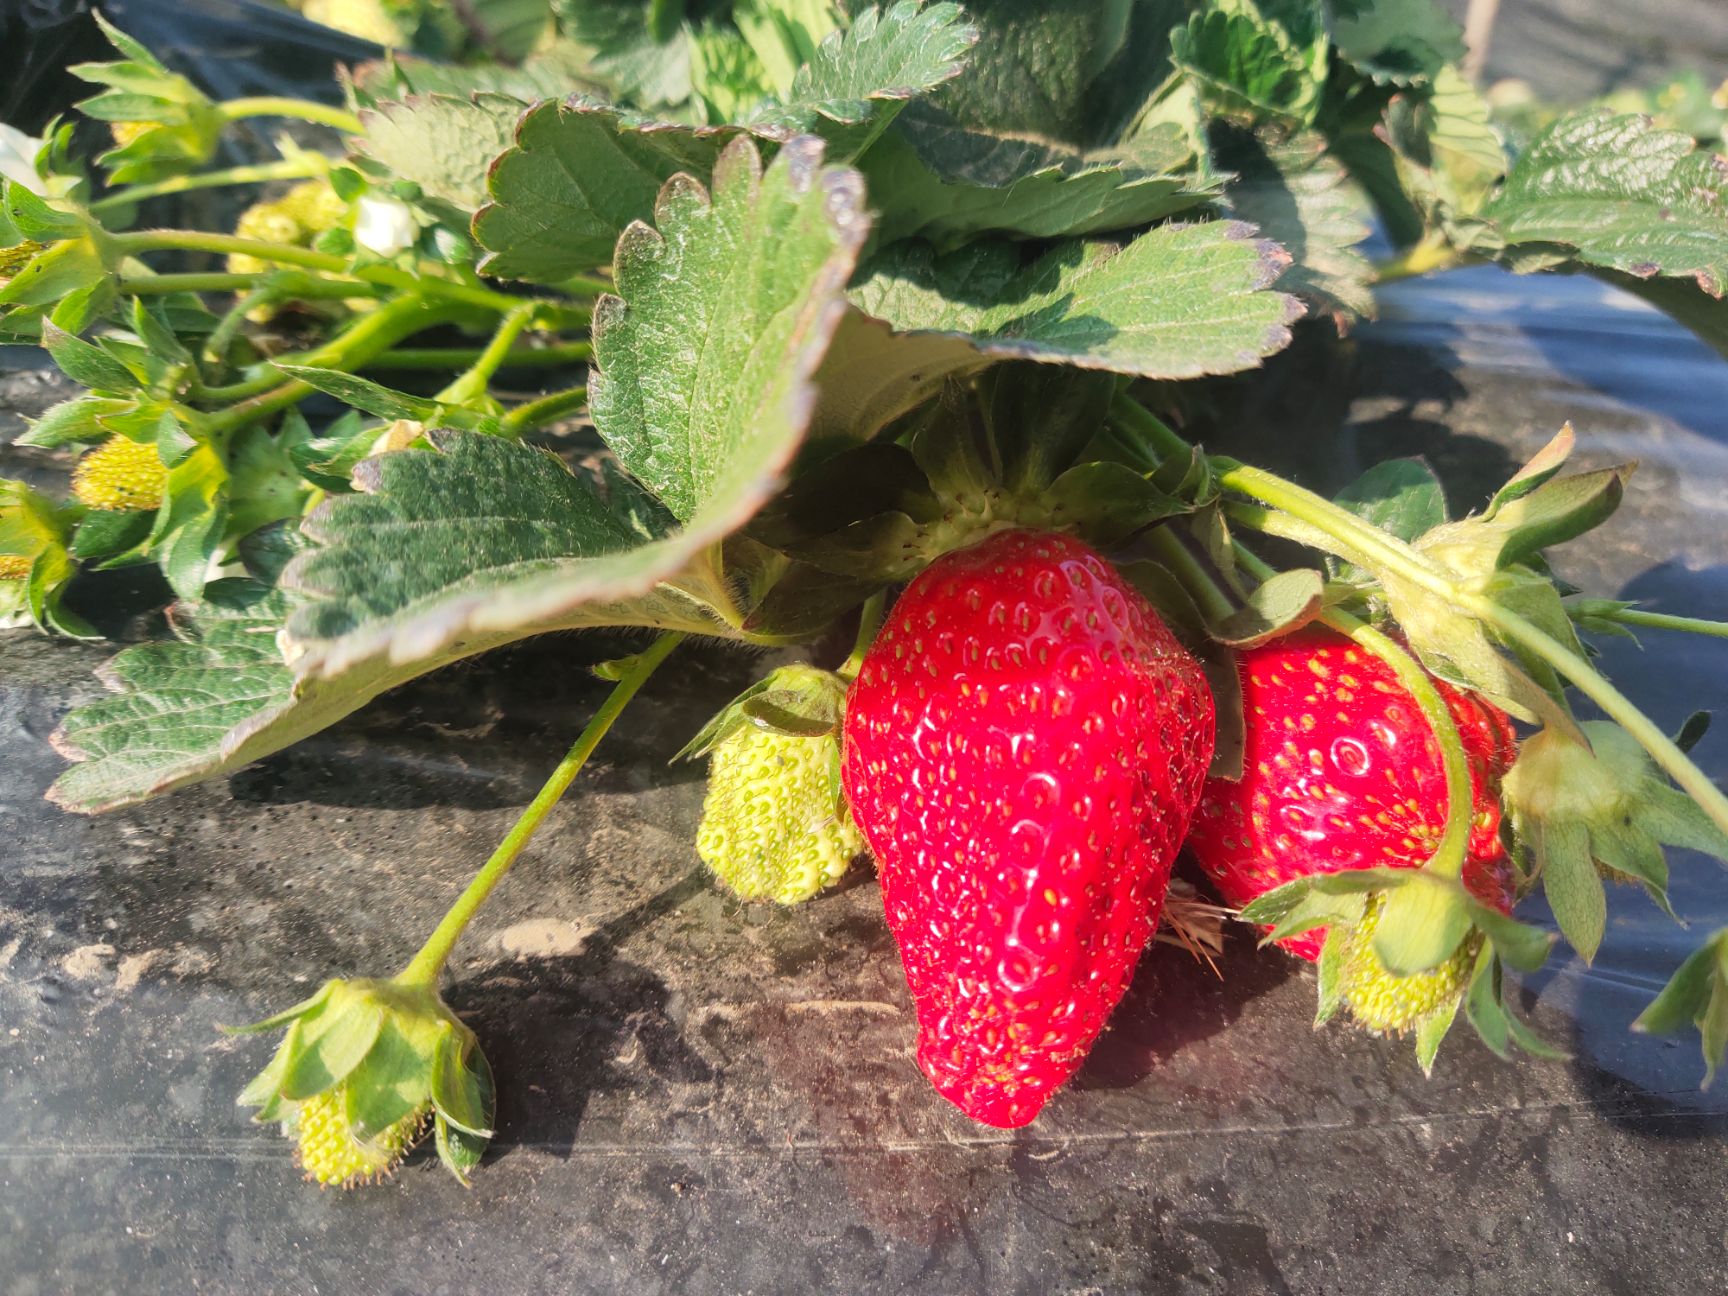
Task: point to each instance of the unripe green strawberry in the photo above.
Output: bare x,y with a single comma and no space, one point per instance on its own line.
330,1154
774,823
14,567
365,1068
1395,1005
119,476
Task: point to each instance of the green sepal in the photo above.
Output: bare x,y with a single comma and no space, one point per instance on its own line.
34,219
79,419
1274,608
1499,1028
460,1092
267,1084
799,701
1571,883
84,363
366,395
1432,1030
1692,730
1696,995
331,1047
394,1084
1334,953
1421,923
306,1007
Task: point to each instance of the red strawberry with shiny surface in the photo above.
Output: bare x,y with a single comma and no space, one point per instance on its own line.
1024,745
1342,771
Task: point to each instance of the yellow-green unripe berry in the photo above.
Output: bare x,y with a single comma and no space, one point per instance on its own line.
774,826
328,1152
15,567
120,476
1388,1004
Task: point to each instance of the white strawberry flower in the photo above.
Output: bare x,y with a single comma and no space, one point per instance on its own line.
384,226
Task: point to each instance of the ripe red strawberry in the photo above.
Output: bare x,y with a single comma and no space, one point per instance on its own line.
1341,771
1024,744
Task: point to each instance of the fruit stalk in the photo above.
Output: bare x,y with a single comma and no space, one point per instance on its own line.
424,969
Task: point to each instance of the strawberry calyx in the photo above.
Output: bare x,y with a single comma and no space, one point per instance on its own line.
1603,811
365,1067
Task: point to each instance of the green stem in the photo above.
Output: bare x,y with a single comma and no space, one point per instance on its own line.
300,168
427,283
372,335
547,409
869,622
303,109
1215,602
1146,429
1432,255
519,357
151,285
1609,610
426,966
472,382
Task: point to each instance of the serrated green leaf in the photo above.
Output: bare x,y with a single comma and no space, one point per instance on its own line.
1176,302
625,54
578,174
937,179
1285,603
217,699
705,360
1621,195
1295,193
1395,41
858,79
550,73
1255,62
441,143
1066,70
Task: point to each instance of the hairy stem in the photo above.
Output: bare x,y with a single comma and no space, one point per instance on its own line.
518,357
1610,610
546,409
300,109
426,283
471,383
426,966
299,168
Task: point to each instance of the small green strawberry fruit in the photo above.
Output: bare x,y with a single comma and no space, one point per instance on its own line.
774,823
365,1068
1586,813
120,476
1395,1005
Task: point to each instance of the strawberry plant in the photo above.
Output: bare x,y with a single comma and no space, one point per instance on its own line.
911,324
